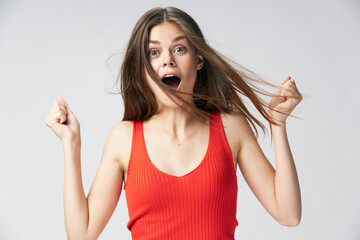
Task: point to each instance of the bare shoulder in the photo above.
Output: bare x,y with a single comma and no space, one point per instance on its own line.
121,135
233,117
236,129
235,122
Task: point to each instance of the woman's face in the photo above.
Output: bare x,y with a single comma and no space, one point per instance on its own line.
173,60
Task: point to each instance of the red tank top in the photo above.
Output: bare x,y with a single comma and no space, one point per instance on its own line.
198,205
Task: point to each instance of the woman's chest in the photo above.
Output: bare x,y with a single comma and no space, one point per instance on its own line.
177,157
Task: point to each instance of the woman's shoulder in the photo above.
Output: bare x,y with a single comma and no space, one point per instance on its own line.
235,125
122,137
122,131
123,128
233,119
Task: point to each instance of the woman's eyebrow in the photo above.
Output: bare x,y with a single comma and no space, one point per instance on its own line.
178,38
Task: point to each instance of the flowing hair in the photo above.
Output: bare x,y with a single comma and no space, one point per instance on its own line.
220,84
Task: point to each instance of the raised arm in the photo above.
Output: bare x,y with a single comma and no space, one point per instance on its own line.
86,217
277,190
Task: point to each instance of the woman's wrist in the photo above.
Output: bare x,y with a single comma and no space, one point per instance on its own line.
72,142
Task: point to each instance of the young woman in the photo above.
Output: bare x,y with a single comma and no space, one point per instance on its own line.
184,131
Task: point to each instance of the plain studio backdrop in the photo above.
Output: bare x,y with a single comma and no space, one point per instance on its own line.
52,48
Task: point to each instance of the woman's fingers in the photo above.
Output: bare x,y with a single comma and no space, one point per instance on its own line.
60,110
286,90
59,114
285,80
64,104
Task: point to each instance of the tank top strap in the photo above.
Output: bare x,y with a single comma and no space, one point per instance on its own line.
218,134
137,150
136,137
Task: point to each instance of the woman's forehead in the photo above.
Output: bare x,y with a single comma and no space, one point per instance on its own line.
165,30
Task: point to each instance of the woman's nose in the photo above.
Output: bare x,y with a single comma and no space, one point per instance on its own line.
168,60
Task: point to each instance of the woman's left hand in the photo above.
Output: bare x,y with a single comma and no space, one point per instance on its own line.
286,99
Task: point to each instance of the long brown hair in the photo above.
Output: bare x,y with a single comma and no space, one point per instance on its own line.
220,83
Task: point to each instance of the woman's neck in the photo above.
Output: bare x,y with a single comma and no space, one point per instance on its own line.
175,122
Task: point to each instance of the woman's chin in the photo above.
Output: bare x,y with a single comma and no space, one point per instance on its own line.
167,102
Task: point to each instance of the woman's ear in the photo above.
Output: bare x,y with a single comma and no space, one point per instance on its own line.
200,62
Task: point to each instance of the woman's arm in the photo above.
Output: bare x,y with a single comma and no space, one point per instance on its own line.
85,218
278,191
287,187
75,203
286,180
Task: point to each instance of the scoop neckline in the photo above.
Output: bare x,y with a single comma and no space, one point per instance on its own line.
186,174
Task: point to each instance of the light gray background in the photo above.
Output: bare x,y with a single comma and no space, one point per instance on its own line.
51,48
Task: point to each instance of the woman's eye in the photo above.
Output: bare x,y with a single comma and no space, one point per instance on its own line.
153,53
180,49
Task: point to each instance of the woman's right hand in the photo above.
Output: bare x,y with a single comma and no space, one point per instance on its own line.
63,121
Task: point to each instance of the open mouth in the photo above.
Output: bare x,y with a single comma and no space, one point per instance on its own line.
172,81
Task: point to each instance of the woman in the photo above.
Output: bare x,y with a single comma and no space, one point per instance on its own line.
184,131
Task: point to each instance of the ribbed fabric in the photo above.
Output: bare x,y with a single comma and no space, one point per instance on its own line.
199,205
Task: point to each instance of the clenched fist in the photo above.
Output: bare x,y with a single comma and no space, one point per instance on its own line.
63,121
285,100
